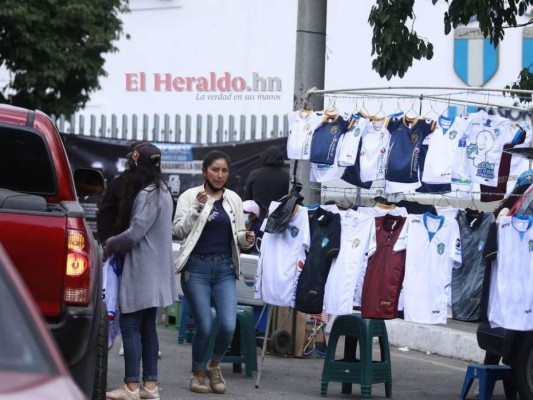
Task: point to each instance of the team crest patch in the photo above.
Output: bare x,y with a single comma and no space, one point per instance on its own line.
325,242
355,243
334,129
294,231
475,58
452,135
356,132
440,248
481,245
414,137
530,246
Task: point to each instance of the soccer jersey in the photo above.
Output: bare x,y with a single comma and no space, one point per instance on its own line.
326,139
326,172
349,147
357,236
302,125
467,281
352,174
384,271
405,146
281,259
373,155
433,248
497,193
442,146
511,302
486,137
325,245
447,212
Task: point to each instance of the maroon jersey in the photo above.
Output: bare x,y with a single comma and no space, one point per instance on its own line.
384,272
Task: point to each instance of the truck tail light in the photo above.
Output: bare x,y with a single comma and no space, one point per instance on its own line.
77,269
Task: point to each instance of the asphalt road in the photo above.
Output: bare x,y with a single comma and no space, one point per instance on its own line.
415,376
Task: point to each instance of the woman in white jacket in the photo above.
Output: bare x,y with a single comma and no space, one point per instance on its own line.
210,220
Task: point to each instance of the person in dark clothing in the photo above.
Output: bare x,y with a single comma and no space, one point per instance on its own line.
269,182
106,218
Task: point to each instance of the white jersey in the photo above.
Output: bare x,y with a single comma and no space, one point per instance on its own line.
281,260
447,212
326,172
350,143
433,248
484,145
442,146
302,125
358,234
380,210
511,301
373,156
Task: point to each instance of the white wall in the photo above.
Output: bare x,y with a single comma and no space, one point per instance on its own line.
196,37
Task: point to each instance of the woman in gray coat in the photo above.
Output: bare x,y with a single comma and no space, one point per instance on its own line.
147,281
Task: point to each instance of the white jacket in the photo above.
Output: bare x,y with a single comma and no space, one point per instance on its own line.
190,219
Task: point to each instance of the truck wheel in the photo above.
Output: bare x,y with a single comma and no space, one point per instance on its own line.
100,376
522,364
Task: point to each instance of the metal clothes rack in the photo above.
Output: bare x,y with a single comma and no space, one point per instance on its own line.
393,91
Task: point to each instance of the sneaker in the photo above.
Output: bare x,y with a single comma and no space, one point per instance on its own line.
123,394
217,381
198,382
152,394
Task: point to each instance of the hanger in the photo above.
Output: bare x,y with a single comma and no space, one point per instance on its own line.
380,113
345,203
431,114
414,114
364,112
473,205
445,198
331,112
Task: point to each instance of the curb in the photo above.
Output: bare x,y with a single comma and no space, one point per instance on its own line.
435,339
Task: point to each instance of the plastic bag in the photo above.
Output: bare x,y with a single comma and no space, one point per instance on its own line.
112,272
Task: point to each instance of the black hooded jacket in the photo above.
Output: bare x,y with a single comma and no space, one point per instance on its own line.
269,182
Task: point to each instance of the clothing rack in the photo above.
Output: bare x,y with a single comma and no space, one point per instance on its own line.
392,91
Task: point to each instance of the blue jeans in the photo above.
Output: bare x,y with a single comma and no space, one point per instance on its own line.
209,280
139,336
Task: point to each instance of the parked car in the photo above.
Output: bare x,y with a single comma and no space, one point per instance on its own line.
31,366
45,233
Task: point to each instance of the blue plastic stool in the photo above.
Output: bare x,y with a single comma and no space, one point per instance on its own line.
487,375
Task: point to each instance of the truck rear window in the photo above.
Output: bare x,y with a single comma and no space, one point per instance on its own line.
25,164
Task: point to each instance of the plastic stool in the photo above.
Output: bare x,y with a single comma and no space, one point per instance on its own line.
173,315
242,349
487,375
187,325
363,371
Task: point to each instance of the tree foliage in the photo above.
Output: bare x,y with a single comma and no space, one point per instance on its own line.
396,45
53,50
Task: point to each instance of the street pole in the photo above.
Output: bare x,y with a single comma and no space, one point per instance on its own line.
309,72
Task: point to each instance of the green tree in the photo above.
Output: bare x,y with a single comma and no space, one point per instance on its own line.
396,44
54,50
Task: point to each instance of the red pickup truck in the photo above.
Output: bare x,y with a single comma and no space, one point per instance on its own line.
43,229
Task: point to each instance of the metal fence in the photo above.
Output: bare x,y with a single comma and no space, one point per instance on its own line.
178,128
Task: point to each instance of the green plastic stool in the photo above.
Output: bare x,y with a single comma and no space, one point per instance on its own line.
173,315
242,349
350,370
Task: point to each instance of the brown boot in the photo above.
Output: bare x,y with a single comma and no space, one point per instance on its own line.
217,381
198,384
